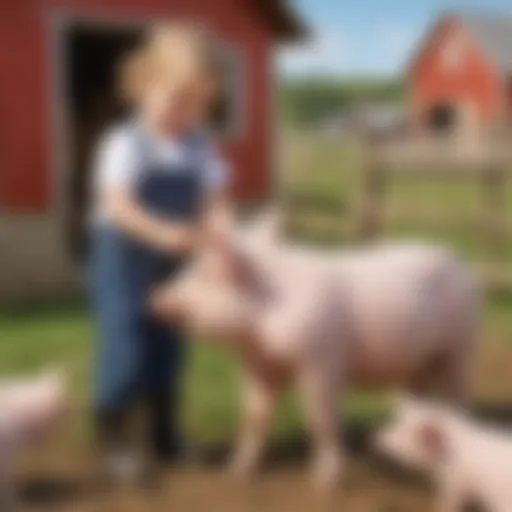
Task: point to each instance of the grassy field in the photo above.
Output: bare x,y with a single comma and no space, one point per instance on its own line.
321,185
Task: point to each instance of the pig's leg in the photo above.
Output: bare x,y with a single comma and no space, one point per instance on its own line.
450,375
262,392
9,499
321,386
450,503
454,377
452,496
457,379
422,383
461,352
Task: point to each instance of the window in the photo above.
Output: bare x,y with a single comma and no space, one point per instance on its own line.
227,118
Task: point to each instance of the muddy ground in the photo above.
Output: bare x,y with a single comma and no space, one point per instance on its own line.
367,488
56,480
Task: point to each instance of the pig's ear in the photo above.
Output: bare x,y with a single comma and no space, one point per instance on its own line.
268,225
433,439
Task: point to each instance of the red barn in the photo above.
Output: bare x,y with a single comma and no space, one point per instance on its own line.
58,60
461,77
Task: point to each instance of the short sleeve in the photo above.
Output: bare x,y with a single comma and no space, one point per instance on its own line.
215,168
117,161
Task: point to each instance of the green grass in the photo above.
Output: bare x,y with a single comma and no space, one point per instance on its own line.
64,335
322,187
37,337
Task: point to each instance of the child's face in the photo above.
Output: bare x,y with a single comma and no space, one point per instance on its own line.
177,107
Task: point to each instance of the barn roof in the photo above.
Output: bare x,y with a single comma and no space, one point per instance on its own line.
286,22
494,33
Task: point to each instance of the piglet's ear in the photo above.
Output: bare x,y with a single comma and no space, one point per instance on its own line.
433,440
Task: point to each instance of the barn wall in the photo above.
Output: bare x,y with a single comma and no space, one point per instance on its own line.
33,260
509,99
476,83
28,128
23,156
33,263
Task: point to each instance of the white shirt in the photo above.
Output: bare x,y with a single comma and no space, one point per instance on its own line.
121,159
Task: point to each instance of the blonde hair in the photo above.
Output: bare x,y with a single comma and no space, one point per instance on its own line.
170,51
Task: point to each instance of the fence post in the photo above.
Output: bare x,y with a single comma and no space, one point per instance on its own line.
374,182
494,189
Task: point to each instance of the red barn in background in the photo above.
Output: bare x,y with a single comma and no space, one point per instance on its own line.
58,61
461,78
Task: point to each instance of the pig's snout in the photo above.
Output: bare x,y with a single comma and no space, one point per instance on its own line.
164,304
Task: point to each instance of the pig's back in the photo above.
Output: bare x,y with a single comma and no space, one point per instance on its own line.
404,303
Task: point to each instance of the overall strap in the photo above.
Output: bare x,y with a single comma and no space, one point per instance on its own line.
195,142
142,143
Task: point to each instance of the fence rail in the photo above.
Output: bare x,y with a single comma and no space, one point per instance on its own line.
492,170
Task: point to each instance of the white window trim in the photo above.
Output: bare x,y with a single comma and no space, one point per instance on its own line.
274,127
238,129
59,25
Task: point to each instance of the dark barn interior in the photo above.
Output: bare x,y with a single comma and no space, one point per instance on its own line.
442,119
92,55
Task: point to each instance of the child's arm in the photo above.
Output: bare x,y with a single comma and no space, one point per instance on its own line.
131,216
118,165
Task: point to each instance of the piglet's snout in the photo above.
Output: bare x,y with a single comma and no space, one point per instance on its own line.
386,441
379,441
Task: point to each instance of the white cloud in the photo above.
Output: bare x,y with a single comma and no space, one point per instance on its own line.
398,43
326,54
385,52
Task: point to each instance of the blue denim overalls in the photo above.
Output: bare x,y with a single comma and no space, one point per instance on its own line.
139,357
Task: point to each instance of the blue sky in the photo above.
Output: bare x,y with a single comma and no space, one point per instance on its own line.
368,37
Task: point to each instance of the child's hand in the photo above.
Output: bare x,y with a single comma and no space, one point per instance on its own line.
180,239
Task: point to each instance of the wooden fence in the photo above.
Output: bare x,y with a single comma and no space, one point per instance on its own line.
492,170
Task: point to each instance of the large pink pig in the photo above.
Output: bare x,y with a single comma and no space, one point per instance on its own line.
383,315
466,460
29,410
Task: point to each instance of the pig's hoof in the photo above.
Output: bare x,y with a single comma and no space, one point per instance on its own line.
11,505
241,471
327,474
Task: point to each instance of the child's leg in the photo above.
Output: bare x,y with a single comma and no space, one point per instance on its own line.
119,364
119,360
163,376
117,387
120,329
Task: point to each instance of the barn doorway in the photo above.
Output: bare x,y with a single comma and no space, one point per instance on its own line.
442,119
91,55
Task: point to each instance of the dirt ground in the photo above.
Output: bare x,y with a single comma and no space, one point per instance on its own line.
367,488
57,479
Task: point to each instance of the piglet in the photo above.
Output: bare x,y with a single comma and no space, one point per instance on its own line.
29,410
400,315
465,459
